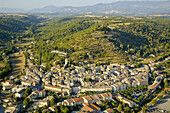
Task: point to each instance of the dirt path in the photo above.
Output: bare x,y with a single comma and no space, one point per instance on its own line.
18,63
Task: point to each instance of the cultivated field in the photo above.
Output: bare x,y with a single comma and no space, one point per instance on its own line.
18,63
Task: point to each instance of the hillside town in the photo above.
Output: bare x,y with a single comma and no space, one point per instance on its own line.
71,86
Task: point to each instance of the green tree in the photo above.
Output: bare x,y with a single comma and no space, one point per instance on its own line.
154,101
121,46
66,110
27,92
120,107
26,102
127,109
52,102
145,109
165,82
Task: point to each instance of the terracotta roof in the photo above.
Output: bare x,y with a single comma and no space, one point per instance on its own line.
8,81
88,98
104,95
109,110
42,91
99,95
58,87
78,99
69,100
109,94
96,107
87,108
96,97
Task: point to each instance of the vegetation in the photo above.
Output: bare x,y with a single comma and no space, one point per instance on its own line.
85,39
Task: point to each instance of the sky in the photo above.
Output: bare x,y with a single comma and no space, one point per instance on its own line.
31,4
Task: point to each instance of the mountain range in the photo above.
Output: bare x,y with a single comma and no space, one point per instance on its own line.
114,8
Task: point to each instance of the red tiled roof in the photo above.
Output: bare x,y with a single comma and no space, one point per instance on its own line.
88,98
69,100
87,108
58,87
109,110
8,81
96,107
78,99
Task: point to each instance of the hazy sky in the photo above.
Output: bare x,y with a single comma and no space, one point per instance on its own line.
30,4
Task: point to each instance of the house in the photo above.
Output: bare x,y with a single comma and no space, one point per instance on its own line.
39,103
106,96
109,110
58,89
91,109
141,81
46,111
95,106
68,102
36,94
42,93
88,99
127,101
13,109
20,93
95,98
88,109
26,82
53,88
78,101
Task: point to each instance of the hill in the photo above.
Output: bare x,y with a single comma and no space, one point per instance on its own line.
115,8
13,24
112,39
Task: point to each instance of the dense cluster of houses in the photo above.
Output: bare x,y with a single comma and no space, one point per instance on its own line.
112,77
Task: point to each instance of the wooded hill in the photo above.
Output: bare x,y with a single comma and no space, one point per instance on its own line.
11,25
111,39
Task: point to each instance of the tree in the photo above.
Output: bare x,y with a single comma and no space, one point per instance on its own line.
26,102
66,110
145,109
27,92
154,101
165,82
6,78
128,46
48,103
52,102
120,108
127,109
121,46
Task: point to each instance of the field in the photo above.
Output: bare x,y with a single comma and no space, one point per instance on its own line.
18,63
113,26
22,44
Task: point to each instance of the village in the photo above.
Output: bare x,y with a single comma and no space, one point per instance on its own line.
72,86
